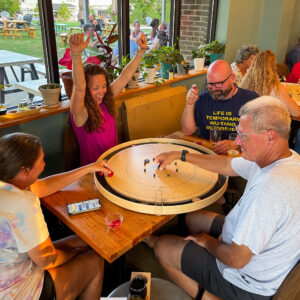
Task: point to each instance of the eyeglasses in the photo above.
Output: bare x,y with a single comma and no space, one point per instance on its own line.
244,135
218,85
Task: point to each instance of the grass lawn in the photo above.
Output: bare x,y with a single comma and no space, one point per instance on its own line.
30,46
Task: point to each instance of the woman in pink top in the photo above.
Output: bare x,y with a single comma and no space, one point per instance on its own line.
92,105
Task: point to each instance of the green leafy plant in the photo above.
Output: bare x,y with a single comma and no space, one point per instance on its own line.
168,55
214,47
199,52
149,60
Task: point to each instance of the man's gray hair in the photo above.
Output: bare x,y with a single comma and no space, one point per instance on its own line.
245,52
268,113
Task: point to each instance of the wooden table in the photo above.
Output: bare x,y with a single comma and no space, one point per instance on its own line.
11,59
15,31
91,226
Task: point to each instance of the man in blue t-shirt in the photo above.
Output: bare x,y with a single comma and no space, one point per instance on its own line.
217,107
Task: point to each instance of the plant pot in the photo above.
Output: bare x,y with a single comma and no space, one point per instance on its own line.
68,82
181,69
164,70
151,73
133,83
199,63
215,56
50,95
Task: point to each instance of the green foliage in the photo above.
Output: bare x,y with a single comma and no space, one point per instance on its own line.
10,6
139,10
64,12
215,47
36,9
92,11
149,60
168,55
199,52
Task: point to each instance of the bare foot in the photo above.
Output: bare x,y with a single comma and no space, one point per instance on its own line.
151,240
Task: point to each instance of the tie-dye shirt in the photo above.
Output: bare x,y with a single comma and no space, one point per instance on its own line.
22,227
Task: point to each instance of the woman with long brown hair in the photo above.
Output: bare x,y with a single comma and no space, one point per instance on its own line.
262,78
92,105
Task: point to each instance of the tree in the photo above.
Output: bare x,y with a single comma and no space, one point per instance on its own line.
10,6
64,12
139,10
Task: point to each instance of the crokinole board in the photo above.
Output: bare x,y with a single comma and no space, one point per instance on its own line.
137,186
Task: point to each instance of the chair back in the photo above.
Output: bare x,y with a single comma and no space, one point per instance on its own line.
28,18
290,288
4,14
283,70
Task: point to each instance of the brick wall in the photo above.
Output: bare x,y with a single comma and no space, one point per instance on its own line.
193,25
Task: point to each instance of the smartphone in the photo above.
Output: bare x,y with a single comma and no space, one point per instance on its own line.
83,206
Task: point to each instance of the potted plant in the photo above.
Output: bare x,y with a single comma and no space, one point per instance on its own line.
199,57
167,58
180,66
50,93
133,82
149,62
215,50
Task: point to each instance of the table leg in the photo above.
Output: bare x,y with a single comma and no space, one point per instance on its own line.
12,69
2,76
33,70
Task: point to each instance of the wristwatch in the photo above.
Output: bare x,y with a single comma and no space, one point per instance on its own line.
183,154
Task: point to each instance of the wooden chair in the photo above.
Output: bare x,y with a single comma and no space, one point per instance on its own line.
283,70
71,148
290,288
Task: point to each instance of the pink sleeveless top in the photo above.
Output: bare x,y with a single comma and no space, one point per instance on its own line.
92,145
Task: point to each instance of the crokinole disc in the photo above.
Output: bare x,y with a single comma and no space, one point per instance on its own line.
184,187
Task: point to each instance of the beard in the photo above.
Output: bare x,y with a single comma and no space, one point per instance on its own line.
220,94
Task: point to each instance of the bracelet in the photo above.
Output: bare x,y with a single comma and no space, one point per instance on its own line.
75,54
183,154
140,53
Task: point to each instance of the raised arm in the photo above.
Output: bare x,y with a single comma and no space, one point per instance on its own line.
188,124
291,105
214,163
119,84
49,185
78,109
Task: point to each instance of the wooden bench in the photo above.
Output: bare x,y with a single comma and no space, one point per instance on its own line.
32,32
64,37
12,32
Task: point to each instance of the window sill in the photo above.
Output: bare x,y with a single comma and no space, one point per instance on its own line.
65,105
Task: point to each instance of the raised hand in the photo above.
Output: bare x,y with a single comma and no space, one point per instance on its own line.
192,95
142,41
77,43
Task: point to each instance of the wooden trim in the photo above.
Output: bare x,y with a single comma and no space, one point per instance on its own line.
66,104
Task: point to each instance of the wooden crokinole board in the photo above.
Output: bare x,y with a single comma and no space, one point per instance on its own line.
182,187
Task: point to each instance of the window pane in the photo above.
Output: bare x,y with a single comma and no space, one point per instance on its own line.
21,54
151,17
69,18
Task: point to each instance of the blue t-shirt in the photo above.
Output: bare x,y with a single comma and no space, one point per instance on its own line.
223,114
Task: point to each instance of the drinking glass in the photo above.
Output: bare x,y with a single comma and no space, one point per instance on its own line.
214,137
114,220
232,151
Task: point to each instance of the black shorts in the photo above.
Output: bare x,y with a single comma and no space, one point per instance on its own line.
48,290
198,264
